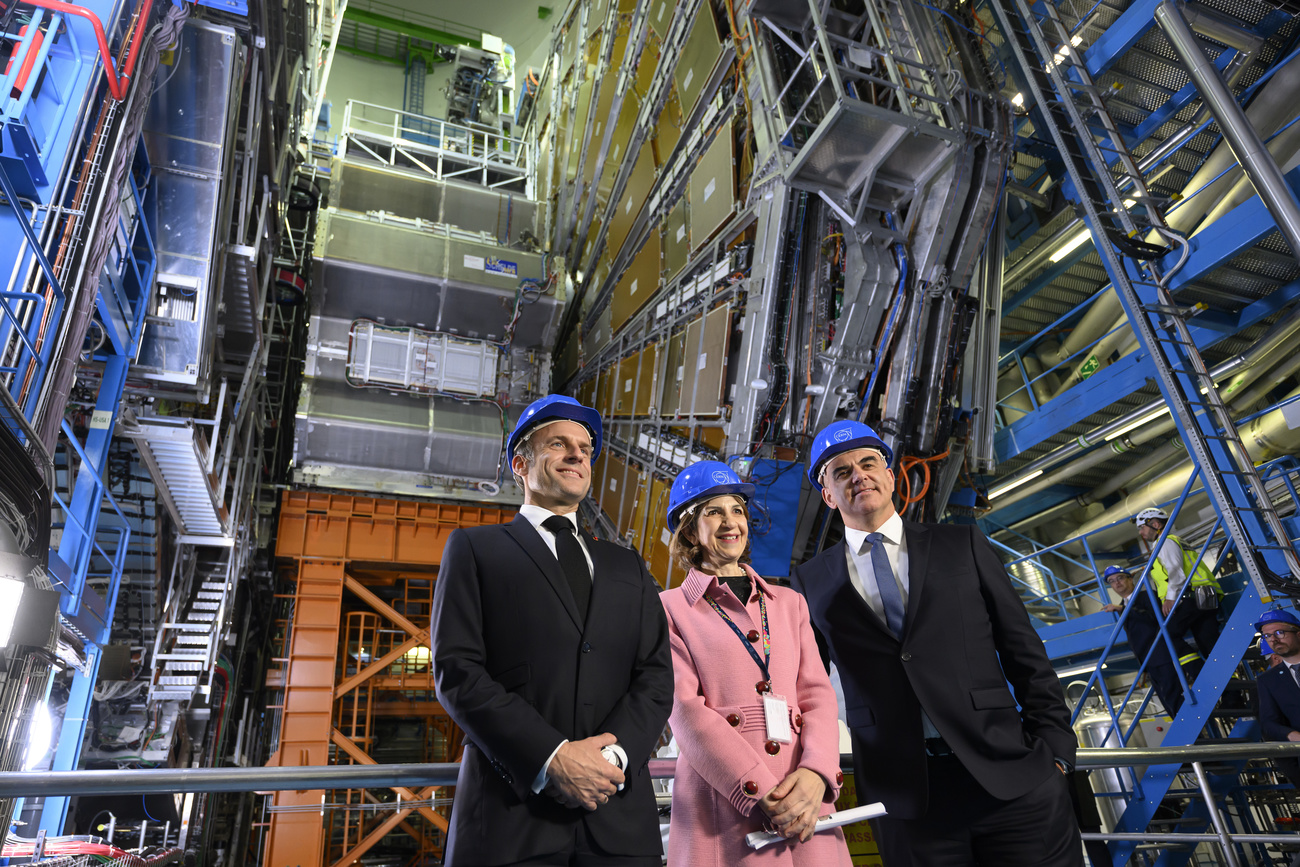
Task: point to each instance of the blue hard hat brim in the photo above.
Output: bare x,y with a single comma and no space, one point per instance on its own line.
1278,616
848,446
743,489
583,415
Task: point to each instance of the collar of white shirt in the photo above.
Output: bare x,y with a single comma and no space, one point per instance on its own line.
536,515
892,530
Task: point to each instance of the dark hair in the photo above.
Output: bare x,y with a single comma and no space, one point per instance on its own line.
686,551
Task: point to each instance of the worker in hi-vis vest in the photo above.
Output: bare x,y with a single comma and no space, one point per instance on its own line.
1196,609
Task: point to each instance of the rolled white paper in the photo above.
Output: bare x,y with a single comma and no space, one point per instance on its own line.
759,839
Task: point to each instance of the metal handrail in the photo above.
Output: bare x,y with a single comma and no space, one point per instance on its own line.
276,779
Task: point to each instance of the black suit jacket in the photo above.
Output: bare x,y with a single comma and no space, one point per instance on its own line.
1279,703
965,637
519,672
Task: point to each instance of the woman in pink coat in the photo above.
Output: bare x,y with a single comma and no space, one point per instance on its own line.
753,709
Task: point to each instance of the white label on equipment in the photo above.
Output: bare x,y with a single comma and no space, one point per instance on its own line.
627,386
710,187
681,232
686,82
613,484
681,368
627,209
662,8
704,359
101,420
475,263
666,536
633,291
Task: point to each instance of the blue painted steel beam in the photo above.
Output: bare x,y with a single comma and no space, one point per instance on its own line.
1235,232
1124,376
1119,37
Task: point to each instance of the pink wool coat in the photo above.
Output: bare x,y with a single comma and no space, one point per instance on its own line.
718,721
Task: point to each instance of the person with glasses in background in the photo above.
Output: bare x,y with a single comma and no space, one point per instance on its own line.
1143,631
1279,687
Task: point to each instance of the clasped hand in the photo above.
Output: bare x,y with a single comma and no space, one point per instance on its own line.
793,804
580,776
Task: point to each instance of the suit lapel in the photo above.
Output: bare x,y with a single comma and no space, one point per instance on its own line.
523,532
918,564
841,586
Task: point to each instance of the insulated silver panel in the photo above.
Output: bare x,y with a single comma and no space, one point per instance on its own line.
338,425
187,132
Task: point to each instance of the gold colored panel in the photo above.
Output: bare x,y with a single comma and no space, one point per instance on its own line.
604,388
712,189
705,364
598,121
618,492
587,392
628,207
634,388
661,16
713,437
597,334
668,128
638,283
699,56
567,363
645,66
673,372
579,128
677,240
654,545
618,146
599,469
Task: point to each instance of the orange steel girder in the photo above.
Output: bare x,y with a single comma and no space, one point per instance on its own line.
330,536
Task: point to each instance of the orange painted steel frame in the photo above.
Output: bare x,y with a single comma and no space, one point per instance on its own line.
329,543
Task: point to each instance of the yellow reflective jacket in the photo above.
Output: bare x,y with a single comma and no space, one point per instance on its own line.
1201,575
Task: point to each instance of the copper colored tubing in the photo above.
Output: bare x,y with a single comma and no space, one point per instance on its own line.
116,84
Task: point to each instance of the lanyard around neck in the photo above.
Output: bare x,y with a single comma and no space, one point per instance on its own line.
763,661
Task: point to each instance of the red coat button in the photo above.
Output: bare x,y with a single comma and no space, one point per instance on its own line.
733,719
772,748
839,778
753,635
798,721
761,687
751,787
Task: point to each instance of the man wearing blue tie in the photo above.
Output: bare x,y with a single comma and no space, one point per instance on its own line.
1279,687
928,633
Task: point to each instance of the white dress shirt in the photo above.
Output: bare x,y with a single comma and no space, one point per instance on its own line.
863,576
535,516
1171,555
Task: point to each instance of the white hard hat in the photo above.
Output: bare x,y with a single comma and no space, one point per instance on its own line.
1147,514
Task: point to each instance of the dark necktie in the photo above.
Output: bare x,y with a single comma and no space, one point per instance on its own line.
890,597
572,561
1295,672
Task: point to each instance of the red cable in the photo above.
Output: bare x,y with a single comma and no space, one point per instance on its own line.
116,84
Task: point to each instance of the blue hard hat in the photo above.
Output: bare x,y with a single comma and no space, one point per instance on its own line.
842,436
554,407
1114,570
703,480
1277,615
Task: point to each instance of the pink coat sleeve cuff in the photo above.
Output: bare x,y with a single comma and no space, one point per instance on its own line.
751,787
828,768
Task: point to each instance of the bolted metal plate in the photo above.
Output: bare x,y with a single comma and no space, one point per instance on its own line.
638,283
677,240
699,56
634,195
712,188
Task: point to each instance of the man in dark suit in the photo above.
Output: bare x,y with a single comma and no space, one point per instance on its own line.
550,651
1142,631
926,631
1279,691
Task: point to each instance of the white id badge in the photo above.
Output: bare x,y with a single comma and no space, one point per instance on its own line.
776,713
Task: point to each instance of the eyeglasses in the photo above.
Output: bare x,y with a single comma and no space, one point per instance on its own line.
1278,633
1115,579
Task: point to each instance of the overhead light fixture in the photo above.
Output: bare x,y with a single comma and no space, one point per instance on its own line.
1012,485
40,734
1018,100
1138,422
417,656
11,592
1071,245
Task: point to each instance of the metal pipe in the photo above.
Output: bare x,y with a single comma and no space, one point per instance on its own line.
1246,145
1216,818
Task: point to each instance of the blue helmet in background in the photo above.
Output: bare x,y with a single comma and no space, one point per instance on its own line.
838,437
700,481
1277,615
555,407
1114,570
